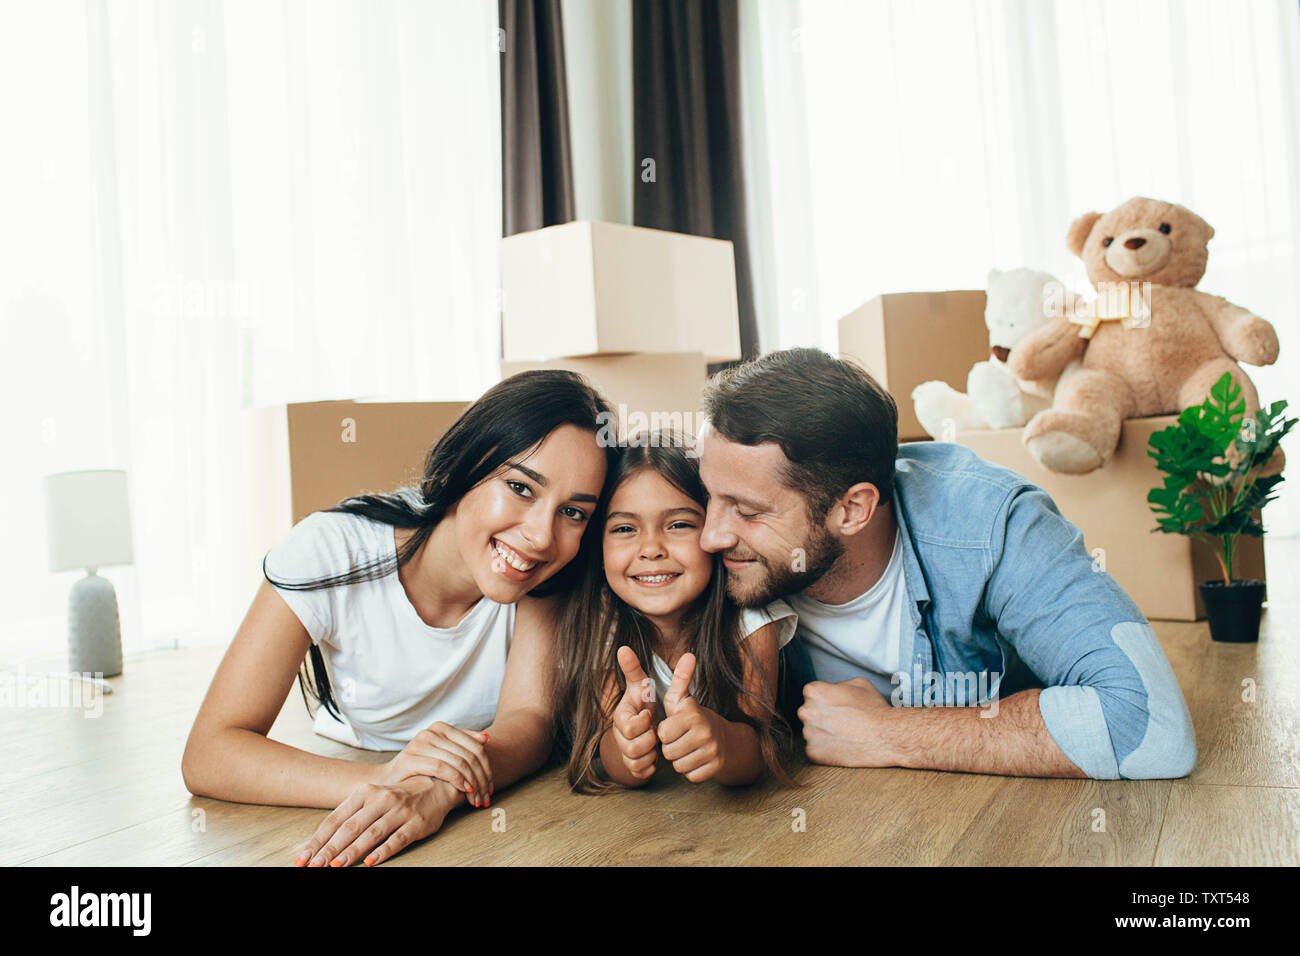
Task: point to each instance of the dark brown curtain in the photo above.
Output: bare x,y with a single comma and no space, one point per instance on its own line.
686,103
536,165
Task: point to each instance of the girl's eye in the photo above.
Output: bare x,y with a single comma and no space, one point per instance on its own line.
519,488
681,524
619,529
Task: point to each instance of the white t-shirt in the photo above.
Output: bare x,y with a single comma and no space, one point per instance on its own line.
861,638
391,674
751,619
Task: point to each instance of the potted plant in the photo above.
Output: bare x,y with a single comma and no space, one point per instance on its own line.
1213,490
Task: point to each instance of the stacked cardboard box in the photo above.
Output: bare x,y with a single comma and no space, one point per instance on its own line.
907,338
311,455
639,312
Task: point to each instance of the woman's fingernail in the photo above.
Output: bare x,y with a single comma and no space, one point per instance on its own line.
468,788
485,735
301,861
370,861
336,862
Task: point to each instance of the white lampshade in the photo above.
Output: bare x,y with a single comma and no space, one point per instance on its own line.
87,519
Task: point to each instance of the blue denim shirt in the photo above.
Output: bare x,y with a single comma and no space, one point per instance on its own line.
1001,586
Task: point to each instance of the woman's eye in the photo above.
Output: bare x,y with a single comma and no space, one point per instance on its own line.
519,488
577,514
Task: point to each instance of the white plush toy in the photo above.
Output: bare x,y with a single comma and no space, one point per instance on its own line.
1019,301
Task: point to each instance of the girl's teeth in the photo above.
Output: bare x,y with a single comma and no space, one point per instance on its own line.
507,556
655,578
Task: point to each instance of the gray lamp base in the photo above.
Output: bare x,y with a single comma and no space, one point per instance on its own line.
94,629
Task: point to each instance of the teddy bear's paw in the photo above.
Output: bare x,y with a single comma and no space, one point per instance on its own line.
1065,453
1253,341
942,410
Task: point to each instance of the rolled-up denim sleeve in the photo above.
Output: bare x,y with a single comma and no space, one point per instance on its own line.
1111,700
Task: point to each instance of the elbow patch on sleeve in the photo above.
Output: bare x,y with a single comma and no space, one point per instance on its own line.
1168,746
1103,730
1074,718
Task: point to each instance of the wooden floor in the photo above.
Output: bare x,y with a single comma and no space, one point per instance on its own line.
108,791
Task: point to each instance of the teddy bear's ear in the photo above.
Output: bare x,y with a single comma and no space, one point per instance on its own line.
993,274
1079,231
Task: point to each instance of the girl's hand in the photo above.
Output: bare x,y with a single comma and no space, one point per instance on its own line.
634,718
693,737
389,817
445,753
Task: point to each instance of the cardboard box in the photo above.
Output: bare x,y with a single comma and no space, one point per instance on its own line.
907,338
647,391
587,288
1159,571
311,455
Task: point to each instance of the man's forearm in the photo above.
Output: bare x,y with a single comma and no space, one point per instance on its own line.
1015,742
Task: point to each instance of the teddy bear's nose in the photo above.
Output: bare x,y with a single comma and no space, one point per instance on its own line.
1000,352
1134,243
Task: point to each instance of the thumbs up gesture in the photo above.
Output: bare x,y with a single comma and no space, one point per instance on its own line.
692,736
634,718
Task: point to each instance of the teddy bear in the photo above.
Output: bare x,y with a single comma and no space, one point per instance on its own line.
1151,344
1019,301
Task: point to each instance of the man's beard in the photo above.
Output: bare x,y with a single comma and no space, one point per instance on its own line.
821,551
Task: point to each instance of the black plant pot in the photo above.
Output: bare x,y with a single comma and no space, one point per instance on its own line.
1233,610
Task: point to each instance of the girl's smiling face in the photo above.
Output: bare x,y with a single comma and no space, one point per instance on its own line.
652,553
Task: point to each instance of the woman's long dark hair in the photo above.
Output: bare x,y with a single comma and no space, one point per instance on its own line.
512,418
594,623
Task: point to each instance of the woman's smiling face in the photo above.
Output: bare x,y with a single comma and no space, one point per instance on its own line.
653,558
523,524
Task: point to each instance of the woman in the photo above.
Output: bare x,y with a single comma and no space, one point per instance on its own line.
406,604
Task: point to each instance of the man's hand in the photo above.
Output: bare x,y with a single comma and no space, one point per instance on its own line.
634,719
842,724
693,737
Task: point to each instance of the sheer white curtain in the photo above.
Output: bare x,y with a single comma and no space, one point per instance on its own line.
211,206
905,146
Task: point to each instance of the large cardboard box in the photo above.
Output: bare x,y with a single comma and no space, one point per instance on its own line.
646,390
586,288
311,455
1159,571
904,339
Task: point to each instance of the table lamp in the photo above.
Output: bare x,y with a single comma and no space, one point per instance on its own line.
89,526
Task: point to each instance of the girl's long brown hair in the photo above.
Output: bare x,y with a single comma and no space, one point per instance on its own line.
594,623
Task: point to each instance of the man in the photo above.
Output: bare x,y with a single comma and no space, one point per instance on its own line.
949,614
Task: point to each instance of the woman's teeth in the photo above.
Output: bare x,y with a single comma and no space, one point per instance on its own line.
511,557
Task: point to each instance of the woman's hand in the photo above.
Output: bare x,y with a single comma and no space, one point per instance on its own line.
445,753
378,821
693,737
634,719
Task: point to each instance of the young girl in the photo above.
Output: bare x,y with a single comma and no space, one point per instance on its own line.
405,603
655,604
